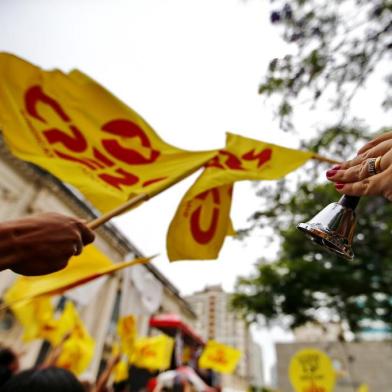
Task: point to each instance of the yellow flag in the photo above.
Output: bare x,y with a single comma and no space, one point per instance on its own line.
127,331
91,264
202,220
75,129
311,370
36,317
78,350
153,353
363,388
219,357
120,371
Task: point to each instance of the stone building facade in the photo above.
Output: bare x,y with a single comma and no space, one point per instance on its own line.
356,363
25,189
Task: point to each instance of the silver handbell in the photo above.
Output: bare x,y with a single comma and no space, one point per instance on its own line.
333,227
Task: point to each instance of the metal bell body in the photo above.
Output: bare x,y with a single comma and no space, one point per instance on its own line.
333,228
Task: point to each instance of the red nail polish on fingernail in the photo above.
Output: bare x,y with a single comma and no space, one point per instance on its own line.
331,173
336,167
339,185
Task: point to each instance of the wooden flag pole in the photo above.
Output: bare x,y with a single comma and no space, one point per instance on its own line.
143,197
320,158
117,211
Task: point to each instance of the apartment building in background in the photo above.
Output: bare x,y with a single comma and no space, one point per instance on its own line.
216,321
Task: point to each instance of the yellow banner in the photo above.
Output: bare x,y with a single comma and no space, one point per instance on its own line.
202,220
89,265
153,353
37,318
311,370
120,372
127,331
363,388
78,350
219,357
74,128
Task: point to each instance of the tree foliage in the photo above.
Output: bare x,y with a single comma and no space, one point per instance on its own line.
306,283
335,46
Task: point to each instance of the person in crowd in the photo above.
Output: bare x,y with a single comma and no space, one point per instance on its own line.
9,364
51,379
41,244
369,173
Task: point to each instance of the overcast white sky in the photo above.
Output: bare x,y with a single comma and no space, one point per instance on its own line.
191,69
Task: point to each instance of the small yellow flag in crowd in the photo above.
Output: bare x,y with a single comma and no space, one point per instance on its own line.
219,357
120,371
37,318
312,370
127,332
153,353
74,128
202,220
78,349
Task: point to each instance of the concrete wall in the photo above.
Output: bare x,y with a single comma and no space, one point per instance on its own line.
363,362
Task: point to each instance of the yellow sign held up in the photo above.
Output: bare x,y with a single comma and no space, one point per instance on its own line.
311,370
219,357
153,352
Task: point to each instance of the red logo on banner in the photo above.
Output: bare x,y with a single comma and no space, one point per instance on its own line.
74,141
204,236
228,160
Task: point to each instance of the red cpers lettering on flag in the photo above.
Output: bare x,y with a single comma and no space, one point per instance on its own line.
74,128
202,220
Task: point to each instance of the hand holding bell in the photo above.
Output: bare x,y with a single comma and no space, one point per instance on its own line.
369,173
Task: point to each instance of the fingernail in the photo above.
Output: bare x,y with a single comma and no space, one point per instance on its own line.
339,185
336,167
331,173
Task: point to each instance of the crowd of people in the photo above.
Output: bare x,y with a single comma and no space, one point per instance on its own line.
44,243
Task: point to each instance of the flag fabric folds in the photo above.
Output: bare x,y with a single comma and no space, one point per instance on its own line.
219,357
38,321
36,317
74,128
91,264
202,219
153,353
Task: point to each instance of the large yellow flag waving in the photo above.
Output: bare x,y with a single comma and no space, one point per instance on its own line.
74,128
219,357
202,220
